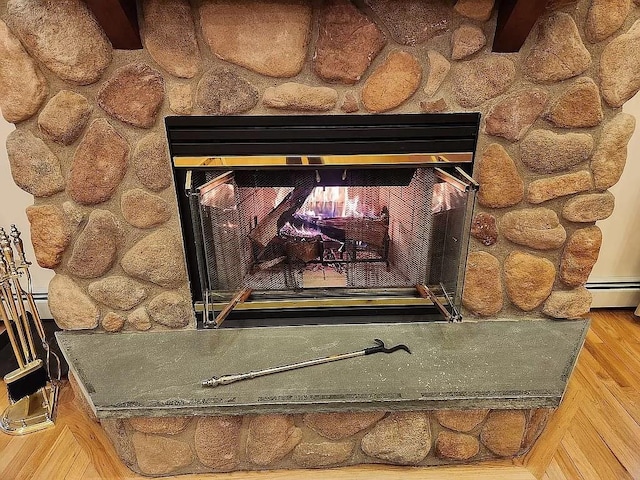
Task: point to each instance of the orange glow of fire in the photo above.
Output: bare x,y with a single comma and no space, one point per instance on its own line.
327,202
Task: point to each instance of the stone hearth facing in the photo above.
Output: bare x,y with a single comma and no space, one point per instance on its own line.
89,142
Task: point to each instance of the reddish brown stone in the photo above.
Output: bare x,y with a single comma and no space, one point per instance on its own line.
528,279
434,106
112,322
578,106
476,81
461,420
466,40
95,249
500,183
503,431
456,446
337,426
50,234
580,255
217,442
483,294
476,9
151,162
144,210
511,117
270,438
350,103
485,228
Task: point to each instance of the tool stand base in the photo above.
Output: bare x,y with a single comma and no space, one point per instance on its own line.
31,413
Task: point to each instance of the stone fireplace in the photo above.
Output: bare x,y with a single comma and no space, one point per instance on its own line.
90,146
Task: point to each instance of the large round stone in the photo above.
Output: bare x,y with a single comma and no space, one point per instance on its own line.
94,252
23,88
270,438
217,442
544,151
503,431
300,97
439,68
151,162
160,455
70,307
461,420
337,426
476,81
537,228
77,53
483,294
528,279
466,40
475,9
604,18
392,83
171,310
322,454
403,438
610,155
545,189
574,303
160,425
118,292
620,67
500,183
511,117
578,106
50,234
223,92
456,446
580,255
144,210
63,119
589,208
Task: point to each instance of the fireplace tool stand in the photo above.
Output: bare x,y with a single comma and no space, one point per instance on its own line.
32,390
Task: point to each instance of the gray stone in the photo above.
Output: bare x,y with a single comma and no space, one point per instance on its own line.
580,255
118,292
528,279
112,322
133,95
23,88
558,52
578,106
350,103
347,42
500,183
537,228
322,454
485,228
159,425
95,250
416,22
483,292
403,438
64,117
620,67
337,426
604,18
300,97
439,68
589,208
223,92
475,9
544,151
392,83
456,446
50,234
34,167
181,98
99,164
70,307
160,455
151,162
568,304
503,431
511,117
169,36
466,40
217,442
610,155
270,438
267,37
544,189
144,210
77,53
171,310
139,319
461,420
476,81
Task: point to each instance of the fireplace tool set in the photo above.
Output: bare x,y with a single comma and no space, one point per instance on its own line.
32,390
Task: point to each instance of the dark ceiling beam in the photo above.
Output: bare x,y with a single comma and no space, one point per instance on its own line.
119,20
516,18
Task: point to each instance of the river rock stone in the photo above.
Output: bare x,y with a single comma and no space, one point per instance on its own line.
160,455
117,433
604,18
461,420
620,67
77,53
347,42
34,167
483,293
337,426
503,431
217,442
544,151
439,67
434,106
144,210
578,106
414,23
118,292
63,119
457,446
139,319
169,36
589,208
485,228
610,156
112,322
270,438
511,118
23,88
223,92
267,37
350,103
537,420
151,162
568,304
99,164
466,40
545,189
50,234
94,252
159,425
528,279
322,454
403,438
537,228
181,98
580,255
392,83
170,309
477,81
475,9
133,95
296,96
70,307
558,52
500,183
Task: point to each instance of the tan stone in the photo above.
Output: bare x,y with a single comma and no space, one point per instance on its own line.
160,425
112,322
604,18
117,433
151,162
503,431
511,117
322,454
528,279
461,420
23,88
434,106
118,292
70,307
223,92
578,106
403,438
456,446
466,40
171,310
568,304
500,183
144,210
537,228
475,9
50,234
350,103
337,426
545,189
544,151
160,455
75,215
483,294
217,442
620,67
610,155
297,96
439,68
267,37
485,228
392,83
476,81
538,419
589,208
270,438
181,98
139,319
95,249
579,255
64,117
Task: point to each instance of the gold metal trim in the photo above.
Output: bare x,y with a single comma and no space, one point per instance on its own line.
31,413
22,372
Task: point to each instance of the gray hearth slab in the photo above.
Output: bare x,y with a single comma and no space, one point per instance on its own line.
490,364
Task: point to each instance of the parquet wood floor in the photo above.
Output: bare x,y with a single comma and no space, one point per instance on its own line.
595,434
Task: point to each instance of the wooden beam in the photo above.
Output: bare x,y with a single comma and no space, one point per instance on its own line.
119,20
516,18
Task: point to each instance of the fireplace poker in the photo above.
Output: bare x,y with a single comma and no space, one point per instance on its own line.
379,348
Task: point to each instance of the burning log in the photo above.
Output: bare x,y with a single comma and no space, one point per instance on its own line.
372,231
303,250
